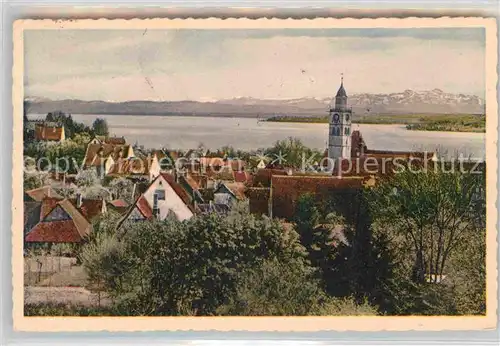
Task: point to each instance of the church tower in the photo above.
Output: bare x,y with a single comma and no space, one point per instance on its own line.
339,136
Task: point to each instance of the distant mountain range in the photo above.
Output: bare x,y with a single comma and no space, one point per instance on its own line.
407,102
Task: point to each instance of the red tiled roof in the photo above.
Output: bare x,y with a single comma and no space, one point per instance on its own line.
42,192
98,152
200,179
54,232
179,190
119,203
144,207
391,153
286,190
242,177
378,164
90,208
131,166
263,176
48,133
238,190
61,231
191,181
112,140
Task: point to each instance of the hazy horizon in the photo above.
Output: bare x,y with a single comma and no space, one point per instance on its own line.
236,97
280,64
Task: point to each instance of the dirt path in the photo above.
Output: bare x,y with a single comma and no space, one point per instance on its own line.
62,295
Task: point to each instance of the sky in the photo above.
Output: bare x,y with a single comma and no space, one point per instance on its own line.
208,65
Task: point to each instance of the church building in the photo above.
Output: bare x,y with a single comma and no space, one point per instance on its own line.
339,136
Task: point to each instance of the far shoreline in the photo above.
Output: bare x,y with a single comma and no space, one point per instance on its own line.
430,122
468,123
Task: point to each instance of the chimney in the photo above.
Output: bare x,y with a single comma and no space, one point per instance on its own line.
133,191
104,208
79,200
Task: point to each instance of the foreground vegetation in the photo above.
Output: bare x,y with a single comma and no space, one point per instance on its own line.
435,122
412,245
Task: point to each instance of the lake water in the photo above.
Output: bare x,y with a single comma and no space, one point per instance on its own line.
244,133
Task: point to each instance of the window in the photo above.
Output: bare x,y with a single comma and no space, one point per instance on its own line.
347,117
347,131
160,194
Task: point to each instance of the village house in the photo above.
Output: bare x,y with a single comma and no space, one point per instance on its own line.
229,193
191,185
103,156
280,198
147,168
48,132
63,220
108,140
33,203
162,198
118,206
285,191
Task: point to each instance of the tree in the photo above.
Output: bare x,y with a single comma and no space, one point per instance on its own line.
275,288
100,127
71,127
122,188
337,235
317,234
192,267
467,274
105,262
430,211
35,179
66,156
291,152
87,178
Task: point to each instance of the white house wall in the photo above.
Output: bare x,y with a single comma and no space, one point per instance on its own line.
172,200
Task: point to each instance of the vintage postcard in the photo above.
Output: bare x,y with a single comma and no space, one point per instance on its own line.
255,175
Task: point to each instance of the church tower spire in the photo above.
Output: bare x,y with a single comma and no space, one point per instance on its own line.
339,138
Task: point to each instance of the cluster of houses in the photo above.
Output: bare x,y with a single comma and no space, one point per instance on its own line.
199,186
171,183
45,131
202,185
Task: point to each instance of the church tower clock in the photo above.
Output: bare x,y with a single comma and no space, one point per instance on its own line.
339,135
